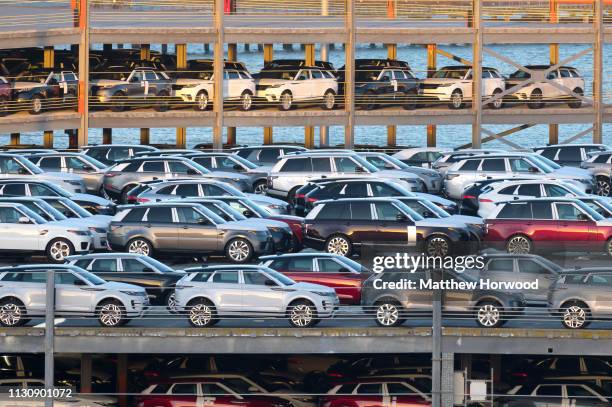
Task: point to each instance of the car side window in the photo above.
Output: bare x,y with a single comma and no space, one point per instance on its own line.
167,190
135,215
354,190
398,389
334,211
153,166
118,153
230,277
9,166
555,191
14,189
508,190
225,163
29,276
470,165
76,164
66,278
316,74
133,266
494,164
297,165
501,265
9,215
50,162
570,154
383,190
178,167
515,211
268,155
190,215
83,263
370,388
361,211
187,389
549,153
160,215
531,267
542,210
299,264
329,266
256,278
567,211
104,265
321,164
213,190
386,211
549,390
187,190
205,162
602,158
213,389
41,190
345,164
530,190
201,277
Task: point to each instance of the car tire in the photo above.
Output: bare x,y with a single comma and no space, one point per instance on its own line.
170,303
456,100
519,244
608,247
438,246
260,187
4,107
489,314
499,103
239,250
329,100
286,101
388,313
201,101
118,102
37,104
12,312
603,186
410,101
339,244
111,313
58,249
575,315
302,314
163,102
535,100
201,313
576,103
139,245
246,101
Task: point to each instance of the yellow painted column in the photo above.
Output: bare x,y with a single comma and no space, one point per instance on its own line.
392,129
268,57
232,56
432,62
181,63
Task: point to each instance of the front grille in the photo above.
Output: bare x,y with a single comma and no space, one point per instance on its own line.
429,85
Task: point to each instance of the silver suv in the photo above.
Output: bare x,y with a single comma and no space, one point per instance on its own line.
600,165
209,293
124,176
110,154
581,296
186,228
162,190
77,293
295,170
14,166
508,166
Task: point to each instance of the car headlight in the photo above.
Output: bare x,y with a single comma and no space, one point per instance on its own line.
274,229
79,232
275,206
132,293
73,182
444,85
325,293
273,86
409,180
97,230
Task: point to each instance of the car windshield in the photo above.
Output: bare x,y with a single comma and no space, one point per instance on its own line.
547,161
281,278
157,265
229,210
210,214
242,161
91,278
451,73
395,161
29,165
415,216
589,210
74,208
45,210
539,165
364,163
95,163
278,73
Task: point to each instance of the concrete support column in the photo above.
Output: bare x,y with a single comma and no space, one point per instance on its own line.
48,139
107,136
122,382
145,52
447,382
598,101
15,139
392,129
83,95
49,57
477,74
432,66
232,56
268,57
309,58
324,130
218,76
349,74
86,369
309,134
145,135
553,128
181,63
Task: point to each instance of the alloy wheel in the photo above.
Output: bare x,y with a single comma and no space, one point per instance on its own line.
488,315
260,188
59,250
10,314
301,315
286,101
338,245
200,315
519,245
239,250
37,105
202,101
457,100
330,100
139,247
171,303
603,187
437,246
574,317
387,314
110,314
247,101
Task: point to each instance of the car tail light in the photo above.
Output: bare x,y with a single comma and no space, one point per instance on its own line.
152,374
142,200
110,174
113,227
300,196
468,197
335,374
311,200
451,176
520,374
485,200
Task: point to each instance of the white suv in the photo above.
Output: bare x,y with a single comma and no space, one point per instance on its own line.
539,92
453,84
294,170
287,86
15,167
196,85
23,231
77,293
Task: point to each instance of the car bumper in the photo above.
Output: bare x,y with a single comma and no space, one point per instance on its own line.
100,241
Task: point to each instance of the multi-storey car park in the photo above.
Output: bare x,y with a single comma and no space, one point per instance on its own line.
480,23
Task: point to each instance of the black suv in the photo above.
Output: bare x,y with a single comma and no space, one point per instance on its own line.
569,154
377,225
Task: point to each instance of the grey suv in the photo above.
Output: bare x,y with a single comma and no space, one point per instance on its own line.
391,307
265,155
600,165
124,176
110,154
14,166
77,293
186,228
581,296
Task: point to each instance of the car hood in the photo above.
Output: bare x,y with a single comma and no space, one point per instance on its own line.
27,85
268,223
441,81
291,218
266,200
244,225
470,220
259,171
226,174
61,224
92,198
444,222
574,171
435,198
607,222
311,287
107,82
82,223
394,174
64,176
192,81
114,285
269,82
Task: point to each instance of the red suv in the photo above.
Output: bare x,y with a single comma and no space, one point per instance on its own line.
338,272
548,224
375,392
192,392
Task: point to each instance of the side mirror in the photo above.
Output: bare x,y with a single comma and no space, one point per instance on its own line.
237,167
270,283
79,282
247,213
427,214
401,217
344,270
203,221
533,169
389,166
583,217
24,220
359,170
191,171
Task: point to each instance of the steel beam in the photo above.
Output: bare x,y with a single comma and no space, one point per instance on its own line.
500,135
232,56
122,380
83,96
477,73
349,74
48,139
553,129
49,57
268,55
15,139
324,130
181,137
145,52
392,129
145,136
598,45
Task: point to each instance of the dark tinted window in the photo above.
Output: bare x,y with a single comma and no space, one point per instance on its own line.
334,211
507,190
555,190
14,189
50,162
530,190
153,166
354,190
554,391
225,277
135,215
541,210
531,267
187,190
213,190
160,215
360,211
185,388
321,164
570,154
496,164
384,190
166,190
501,265
205,162
370,388
515,211
161,388
297,164
549,153
269,155
104,265
601,158
201,277
178,167
470,165
118,153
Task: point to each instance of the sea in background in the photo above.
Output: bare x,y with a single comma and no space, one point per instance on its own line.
447,135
